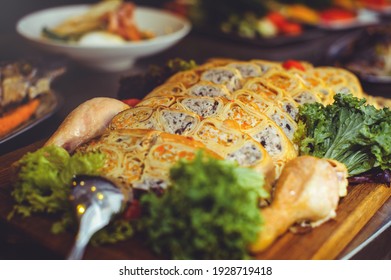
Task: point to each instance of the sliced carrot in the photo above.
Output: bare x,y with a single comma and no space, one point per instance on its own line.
18,116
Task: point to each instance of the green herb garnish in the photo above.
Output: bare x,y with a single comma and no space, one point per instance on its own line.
43,185
348,131
210,211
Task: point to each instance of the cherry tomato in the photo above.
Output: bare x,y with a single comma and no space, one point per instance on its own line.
334,14
289,64
131,102
291,28
276,18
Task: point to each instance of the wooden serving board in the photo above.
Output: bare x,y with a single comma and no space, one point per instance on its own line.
324,242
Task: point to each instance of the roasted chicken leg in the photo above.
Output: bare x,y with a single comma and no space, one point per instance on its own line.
307,190
88,120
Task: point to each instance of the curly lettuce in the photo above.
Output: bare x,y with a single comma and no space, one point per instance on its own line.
348,131
43,186
210,211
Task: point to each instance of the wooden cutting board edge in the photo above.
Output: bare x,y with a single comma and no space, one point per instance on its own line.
353,223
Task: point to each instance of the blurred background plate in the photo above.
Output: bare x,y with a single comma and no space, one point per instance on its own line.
363,18
309,33
366,52
49,104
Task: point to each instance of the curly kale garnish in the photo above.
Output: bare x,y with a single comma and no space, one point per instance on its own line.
209,212
349,131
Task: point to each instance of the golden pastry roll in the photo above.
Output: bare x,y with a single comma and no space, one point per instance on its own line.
307,96
262,102
230,77
283,80
245,116
309,80
187,78
274,140
179,122
283,120
340,80
246,69
266,65
168,89
335,82
156,101
289,106
263,87
138,117
248,118
226,139
261,128
258,101
204,107
125,152
206,88
161,118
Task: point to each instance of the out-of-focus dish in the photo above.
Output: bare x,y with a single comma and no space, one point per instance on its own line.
380,6
366,53
26,97
266,23
338,19
167,28
49,104
104,24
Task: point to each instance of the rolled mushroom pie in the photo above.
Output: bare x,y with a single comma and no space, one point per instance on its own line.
244,111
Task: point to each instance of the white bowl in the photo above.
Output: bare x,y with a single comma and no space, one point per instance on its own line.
169,29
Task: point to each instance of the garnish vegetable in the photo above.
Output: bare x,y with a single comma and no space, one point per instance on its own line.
348,131
43,185
210,211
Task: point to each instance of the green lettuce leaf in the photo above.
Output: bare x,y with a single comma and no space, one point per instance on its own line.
349,131
211,207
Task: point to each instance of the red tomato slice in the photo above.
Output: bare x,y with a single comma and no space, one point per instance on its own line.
276,18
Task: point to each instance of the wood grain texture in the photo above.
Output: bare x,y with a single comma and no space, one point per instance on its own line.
323,242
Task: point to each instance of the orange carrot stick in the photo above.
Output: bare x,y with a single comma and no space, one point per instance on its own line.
18,116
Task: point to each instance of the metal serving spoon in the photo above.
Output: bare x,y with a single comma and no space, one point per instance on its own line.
96,200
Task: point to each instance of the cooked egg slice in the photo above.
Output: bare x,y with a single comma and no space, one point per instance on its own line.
100,38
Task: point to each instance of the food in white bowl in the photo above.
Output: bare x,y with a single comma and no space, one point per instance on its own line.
100,48
102,24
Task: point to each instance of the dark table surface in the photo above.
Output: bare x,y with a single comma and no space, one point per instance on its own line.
79,84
